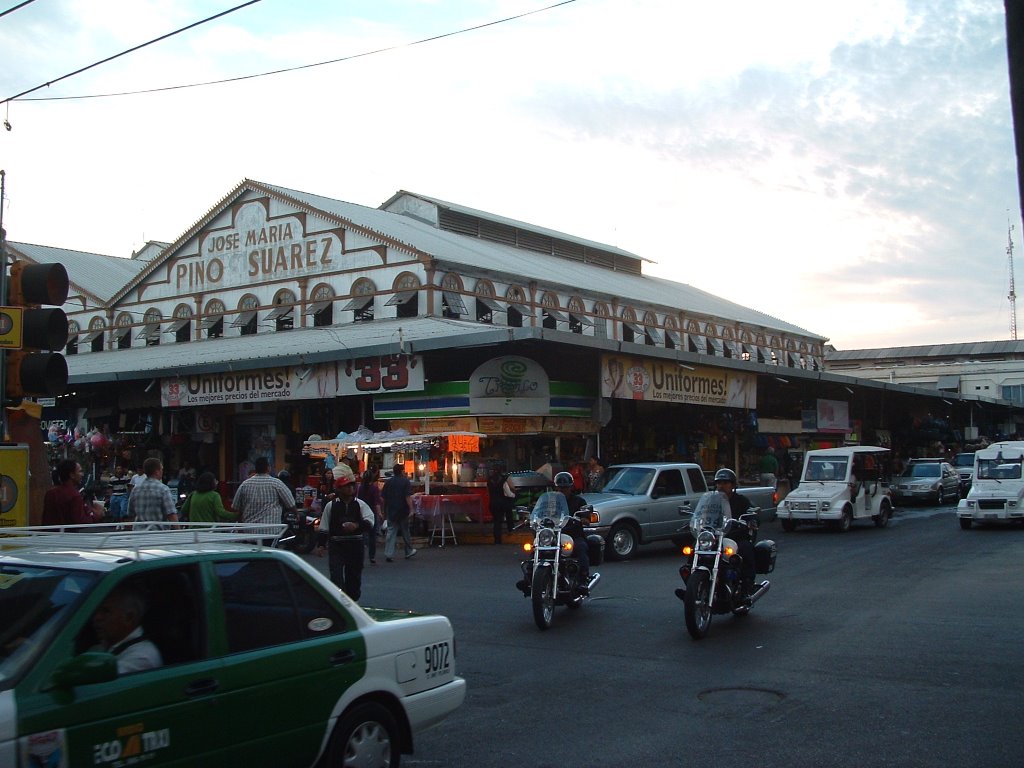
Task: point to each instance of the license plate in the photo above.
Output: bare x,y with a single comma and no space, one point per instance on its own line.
991,515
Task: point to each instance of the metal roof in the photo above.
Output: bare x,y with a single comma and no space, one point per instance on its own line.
454,251
969,350
90,274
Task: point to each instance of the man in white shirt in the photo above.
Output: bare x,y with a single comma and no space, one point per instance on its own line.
118,626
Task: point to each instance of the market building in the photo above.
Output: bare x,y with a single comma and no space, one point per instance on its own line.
281,315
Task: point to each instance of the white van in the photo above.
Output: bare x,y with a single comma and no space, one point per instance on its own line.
839,486
997,490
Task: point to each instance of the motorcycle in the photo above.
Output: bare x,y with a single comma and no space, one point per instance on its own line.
551,573
303,525
712,574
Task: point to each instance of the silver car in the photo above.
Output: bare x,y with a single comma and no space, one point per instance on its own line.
928,481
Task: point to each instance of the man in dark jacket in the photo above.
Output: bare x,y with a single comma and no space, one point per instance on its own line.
342,526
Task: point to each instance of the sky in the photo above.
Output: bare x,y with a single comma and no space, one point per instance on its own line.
847,167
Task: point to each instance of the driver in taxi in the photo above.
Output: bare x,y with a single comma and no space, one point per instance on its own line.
118,626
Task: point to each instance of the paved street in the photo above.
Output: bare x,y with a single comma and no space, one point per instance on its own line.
895,647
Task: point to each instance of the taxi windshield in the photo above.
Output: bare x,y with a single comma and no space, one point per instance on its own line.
34,603
550,506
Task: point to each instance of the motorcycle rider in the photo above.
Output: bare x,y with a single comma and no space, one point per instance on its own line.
726,482
565,485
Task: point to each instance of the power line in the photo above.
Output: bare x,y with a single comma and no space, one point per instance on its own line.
16,7
287,69
130,50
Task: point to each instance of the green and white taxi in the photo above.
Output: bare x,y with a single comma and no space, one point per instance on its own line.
261,660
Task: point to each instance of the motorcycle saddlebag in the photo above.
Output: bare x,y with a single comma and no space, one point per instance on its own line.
764,556
595,549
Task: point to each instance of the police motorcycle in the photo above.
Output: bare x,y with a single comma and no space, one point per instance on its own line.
712,571
551,572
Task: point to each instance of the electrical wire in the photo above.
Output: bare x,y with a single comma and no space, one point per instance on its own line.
288,69
130,50
16,7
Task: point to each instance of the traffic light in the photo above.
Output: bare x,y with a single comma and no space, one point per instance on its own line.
38,368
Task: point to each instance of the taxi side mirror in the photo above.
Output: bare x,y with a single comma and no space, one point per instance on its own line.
85,669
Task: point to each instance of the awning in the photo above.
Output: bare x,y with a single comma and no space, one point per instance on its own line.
751,351
121,331
148,331
490,303
522,309
949,383
766,353
556,314
674,335
208,322
581,319
734,348
90,336
399,298
279,311
794,359
317,307
717,346
638,330
357,303
178,324
655,336
244,318
454,302
700,344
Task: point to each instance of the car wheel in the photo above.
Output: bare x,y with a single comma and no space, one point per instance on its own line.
965,523
622,542
367,735
846,521
882,518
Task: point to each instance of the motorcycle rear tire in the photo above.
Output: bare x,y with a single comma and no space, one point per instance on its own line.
543,594
304,540
696,606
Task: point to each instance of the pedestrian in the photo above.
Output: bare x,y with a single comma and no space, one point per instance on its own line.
64,504
501,497
397,499
263,498
152,502
204,504
344,523
595,474
768,466
119,494
369,492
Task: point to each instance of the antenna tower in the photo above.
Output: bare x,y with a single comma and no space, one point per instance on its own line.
1012,296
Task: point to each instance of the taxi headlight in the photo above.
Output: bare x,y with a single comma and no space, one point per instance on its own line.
545,537
706,540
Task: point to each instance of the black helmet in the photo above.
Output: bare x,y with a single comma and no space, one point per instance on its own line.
563,480
726,475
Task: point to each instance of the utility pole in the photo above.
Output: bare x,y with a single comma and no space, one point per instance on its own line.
1012,296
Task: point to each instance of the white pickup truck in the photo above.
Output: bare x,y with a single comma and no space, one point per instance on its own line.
837,487
641,503
997,490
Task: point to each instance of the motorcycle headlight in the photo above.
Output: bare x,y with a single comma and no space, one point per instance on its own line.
527,546
545,537
706,540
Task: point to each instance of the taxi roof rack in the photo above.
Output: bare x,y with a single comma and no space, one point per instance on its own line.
138,535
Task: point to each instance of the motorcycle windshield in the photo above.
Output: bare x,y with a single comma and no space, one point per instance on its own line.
550,506
711,512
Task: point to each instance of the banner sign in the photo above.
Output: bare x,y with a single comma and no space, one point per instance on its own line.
510,385
635,378
360,376
13,485
833,416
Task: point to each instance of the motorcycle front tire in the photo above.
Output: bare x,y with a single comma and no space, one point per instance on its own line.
697,605
543,594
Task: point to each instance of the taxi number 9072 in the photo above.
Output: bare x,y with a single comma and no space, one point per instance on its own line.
437,659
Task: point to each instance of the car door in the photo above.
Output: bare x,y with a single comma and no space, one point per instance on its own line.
669,494
147,717
289,654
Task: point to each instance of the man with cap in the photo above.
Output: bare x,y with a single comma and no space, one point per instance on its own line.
342,525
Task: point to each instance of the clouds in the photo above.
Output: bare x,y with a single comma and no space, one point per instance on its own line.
847,167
